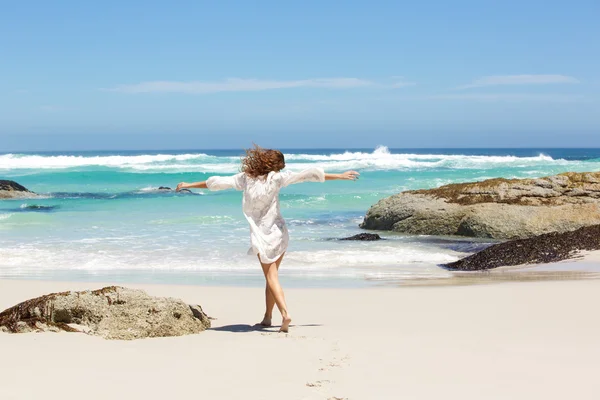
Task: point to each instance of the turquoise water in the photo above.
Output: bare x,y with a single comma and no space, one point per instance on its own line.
103,217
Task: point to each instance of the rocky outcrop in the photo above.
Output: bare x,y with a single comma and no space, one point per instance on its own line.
547,248
365,237
12,190
495,208
112,312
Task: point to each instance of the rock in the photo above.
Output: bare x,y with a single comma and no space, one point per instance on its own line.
496,208
168,189
36,207
12,190
12,186
364,237
112,312
546,248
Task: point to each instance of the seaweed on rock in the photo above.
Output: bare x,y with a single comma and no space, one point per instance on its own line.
546,248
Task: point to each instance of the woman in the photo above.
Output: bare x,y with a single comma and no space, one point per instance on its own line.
260,180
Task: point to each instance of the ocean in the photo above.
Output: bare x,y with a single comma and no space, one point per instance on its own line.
103,218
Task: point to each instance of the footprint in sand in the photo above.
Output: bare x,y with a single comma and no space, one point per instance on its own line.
317,383
335,363
279,335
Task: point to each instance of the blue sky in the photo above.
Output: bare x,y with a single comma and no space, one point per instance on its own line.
76,75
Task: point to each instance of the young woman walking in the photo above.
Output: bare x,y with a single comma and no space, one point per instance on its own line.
260,180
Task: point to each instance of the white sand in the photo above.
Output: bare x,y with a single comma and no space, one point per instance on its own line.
507,341
591,256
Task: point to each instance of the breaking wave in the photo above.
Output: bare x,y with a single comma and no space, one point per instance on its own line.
5,216
381,159
21,161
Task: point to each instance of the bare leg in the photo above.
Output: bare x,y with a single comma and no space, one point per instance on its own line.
271,272
270,303
269,299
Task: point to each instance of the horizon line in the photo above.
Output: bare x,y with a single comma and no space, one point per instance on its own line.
304,148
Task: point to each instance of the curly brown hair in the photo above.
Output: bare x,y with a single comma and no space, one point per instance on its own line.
259,161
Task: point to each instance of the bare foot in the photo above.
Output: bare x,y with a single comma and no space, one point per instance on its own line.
265,322
285,324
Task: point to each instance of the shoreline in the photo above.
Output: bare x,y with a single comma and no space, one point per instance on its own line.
584,266
526,340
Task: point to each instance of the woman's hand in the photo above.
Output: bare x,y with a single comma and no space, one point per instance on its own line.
181,185
349,175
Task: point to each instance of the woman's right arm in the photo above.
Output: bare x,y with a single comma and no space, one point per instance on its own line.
236,182
195,185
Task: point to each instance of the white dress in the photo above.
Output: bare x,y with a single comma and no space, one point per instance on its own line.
260,204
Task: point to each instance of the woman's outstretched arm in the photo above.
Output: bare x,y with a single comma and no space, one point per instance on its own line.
195,185
315,174
237,182
347,176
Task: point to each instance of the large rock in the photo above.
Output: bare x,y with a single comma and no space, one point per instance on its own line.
12,190
495,208
112,312
546,248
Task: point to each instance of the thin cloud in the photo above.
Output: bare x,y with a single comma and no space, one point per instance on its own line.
250,85
498,80
509,97
238,85
400,82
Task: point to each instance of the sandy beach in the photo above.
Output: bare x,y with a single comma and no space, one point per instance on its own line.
422,179
504,341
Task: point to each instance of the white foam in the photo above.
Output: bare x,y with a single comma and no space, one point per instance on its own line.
398,162
149,189
5,216
131,253
379,255
153,189
381,159
382,152
228,168
16,161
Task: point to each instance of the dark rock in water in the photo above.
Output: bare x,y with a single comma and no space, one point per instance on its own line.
112,312
168,189
364,237
12,190
546,248
12,186
36,207
495,208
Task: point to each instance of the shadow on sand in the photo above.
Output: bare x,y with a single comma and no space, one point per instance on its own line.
250,328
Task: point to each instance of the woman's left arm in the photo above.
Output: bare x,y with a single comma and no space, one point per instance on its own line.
346,176
315,174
